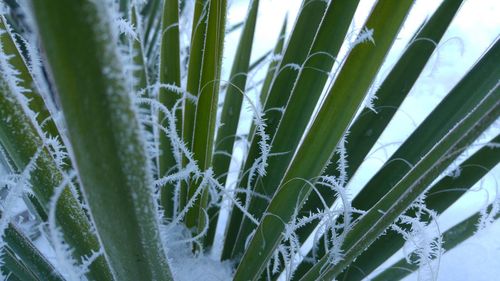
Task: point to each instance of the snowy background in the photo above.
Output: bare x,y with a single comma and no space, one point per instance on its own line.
474,29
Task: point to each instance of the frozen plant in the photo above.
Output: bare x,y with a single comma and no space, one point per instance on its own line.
121,138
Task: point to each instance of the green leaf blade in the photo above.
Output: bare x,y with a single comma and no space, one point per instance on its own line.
107,148
439,197
30,255
206,107
312,156
170,73
21,140
451,238
231,109
295,53
303,99
368,127
14,268
413,184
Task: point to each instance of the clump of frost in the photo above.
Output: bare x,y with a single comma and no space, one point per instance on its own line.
11,84
57,150
67,265
187,266
370,99
488,216
184,172
16,185
31,41
335,229
125,27
334,223
293,66
365,35
263,143
423,240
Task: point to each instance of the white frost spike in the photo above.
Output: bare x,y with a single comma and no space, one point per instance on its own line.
180,149
67,266
34,60
294,66
10,83
275,58
16,186
57,150
370,100
366,35
178,146
423,242
487,218
330,222
264,139
263,144
455,172
126,28
342,162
